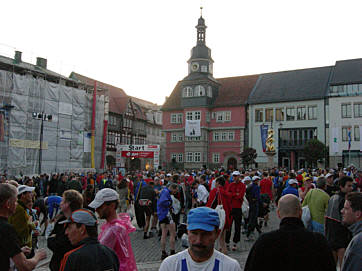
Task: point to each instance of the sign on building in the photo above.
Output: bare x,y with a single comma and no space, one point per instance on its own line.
137,151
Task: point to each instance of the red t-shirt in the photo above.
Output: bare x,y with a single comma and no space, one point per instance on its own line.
237,191
266,187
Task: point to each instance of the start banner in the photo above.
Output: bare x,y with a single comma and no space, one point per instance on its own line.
138,154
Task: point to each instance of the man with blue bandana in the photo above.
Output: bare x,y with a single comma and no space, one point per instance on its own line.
203,231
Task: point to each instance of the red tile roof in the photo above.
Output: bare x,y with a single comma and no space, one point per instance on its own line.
118,99
235,90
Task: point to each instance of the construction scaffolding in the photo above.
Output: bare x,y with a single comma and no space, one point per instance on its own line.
66,139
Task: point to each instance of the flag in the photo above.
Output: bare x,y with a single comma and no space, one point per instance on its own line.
263,134
334,139
349,139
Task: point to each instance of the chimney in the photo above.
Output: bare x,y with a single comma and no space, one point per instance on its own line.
41,62
17,57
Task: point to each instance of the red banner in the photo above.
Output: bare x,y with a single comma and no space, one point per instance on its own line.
138,154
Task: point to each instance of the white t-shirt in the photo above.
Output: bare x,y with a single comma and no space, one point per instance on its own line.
202,194
174,262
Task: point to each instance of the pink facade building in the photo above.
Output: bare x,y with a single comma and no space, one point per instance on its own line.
204,119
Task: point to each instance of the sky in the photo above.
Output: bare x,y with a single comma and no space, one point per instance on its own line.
142,46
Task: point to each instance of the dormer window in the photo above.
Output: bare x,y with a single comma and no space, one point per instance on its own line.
199,90
187,92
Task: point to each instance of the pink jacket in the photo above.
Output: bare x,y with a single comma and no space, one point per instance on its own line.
115,235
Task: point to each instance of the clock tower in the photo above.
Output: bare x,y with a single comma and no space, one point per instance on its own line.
199,87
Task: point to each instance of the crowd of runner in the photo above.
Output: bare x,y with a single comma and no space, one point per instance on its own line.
63,206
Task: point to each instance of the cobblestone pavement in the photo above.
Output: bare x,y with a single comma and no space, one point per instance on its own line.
148,252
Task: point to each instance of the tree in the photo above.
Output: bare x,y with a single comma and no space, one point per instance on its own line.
248,156
314,150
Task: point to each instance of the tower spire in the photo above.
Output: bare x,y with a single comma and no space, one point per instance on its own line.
201,11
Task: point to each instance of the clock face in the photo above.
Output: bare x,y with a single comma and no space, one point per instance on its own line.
194,66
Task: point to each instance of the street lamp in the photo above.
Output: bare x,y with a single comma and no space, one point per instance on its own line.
6,109
43,117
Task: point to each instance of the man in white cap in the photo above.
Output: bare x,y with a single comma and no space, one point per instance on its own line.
9,246
292,188
113,233
20,219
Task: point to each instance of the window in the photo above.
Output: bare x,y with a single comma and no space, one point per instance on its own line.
219,116
189,115
197,115
179,118
312,112
197,157
279,114
301,114
174,157
193,115
203,68
199,91
189,156
259,115
176,118
224,136
216,157
190,92
231,136
346,110
180,137
180,157
269,114
345,131
357,108
173,137
216,136
223,116
290,113
356,133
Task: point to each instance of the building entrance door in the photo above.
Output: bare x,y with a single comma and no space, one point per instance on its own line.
232,163
286,162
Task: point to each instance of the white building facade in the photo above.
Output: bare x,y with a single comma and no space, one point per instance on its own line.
344,114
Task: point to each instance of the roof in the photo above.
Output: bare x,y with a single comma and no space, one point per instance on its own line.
296,85
347,72
145,104
233,91
118,99
32,68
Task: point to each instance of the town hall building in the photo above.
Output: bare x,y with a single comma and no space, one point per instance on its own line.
204,119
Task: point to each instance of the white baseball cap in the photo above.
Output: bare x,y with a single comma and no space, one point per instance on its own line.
236,173
328,175
104,195
25,188
293,181
247,178
256,178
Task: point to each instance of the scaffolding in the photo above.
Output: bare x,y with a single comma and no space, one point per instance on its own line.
66,143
